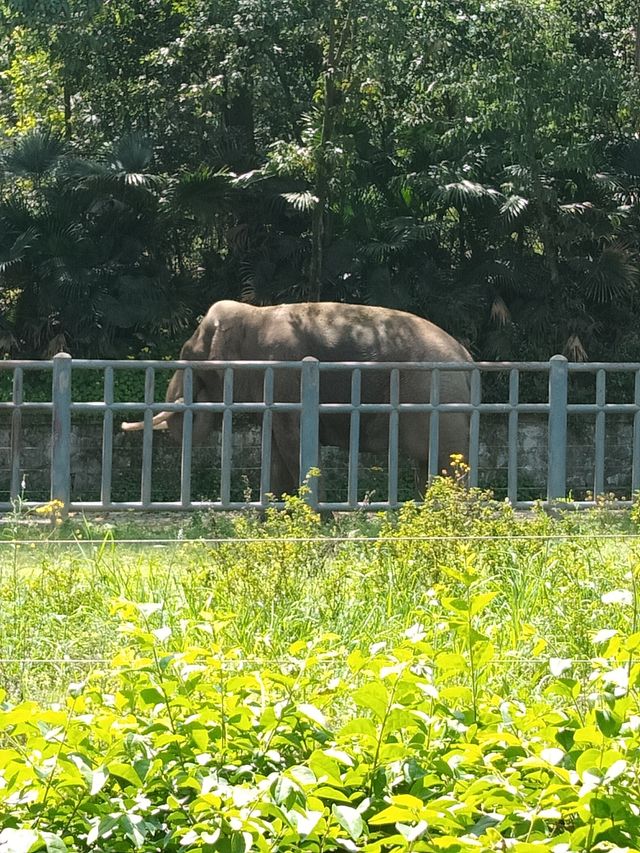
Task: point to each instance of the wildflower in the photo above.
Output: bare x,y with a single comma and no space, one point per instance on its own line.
415,633
51,508
618,596
458,464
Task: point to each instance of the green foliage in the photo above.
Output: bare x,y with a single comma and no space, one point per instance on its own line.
441,728
477,166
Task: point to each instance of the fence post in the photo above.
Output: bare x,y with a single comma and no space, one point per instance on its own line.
557,450
310,423
61,430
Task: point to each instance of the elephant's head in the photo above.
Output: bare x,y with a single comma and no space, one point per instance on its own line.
207,388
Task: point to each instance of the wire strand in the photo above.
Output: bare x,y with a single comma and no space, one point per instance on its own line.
296,661
244,540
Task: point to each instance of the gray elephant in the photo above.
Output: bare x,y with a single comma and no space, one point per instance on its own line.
328,331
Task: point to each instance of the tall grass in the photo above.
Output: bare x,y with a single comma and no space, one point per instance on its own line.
293,575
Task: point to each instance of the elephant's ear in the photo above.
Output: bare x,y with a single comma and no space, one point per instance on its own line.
198,347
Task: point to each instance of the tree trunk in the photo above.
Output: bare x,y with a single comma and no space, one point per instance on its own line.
67,112
318,218
239,117
547,238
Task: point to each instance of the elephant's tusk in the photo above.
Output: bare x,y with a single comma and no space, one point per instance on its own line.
158,422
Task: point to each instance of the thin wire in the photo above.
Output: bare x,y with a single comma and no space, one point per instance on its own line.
73,661
293,661
244,540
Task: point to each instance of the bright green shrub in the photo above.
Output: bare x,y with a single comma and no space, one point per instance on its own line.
201,749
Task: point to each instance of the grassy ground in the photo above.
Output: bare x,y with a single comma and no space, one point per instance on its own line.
365,578
453,678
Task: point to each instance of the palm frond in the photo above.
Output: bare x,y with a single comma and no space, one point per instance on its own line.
518,171
574,349
405,229
249,178
34,154
513,208
19,248
459,194
612,274
201,193
302,201
131,155
500,314
628,158
576,209
378,251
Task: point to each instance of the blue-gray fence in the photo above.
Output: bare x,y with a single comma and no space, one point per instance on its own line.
554,405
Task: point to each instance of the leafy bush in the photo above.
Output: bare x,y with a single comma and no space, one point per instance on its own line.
407,749
456,677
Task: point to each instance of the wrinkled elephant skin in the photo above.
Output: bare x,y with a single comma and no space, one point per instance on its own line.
327,331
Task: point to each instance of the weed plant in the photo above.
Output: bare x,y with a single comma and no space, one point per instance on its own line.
453,677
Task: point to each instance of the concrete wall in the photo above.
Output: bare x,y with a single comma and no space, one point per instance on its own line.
86,462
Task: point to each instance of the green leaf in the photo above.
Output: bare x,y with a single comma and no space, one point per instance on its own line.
152,696
17,840
451,662
134,828
124,773
481,602
349,819
373,696
304,822
53,843
588,761
392,814
312,713
615,770
413,833
98,780
608,723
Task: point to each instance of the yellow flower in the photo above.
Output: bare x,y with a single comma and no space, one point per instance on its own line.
53,509
458,464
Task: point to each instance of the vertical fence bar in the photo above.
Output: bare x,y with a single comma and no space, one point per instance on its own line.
557,450
267,436
310,423
394,432
434,424
107,439
354,437
147,438
512,465
187,438
16,433
61,430
474,426
226,439
601,397
635,460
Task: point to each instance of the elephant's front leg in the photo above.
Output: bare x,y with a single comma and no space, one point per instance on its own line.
285,454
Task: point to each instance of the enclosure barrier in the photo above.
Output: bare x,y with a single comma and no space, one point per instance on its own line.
555,407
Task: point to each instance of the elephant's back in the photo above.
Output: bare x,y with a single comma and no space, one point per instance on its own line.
333,331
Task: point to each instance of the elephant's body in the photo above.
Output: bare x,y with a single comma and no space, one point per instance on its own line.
330,332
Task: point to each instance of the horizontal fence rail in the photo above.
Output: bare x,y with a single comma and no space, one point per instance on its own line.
81,445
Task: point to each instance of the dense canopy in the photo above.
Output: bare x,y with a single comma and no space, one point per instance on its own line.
477,163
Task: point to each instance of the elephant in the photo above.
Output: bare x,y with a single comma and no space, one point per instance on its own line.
329,332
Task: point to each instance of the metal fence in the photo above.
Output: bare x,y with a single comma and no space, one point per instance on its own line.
553,403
